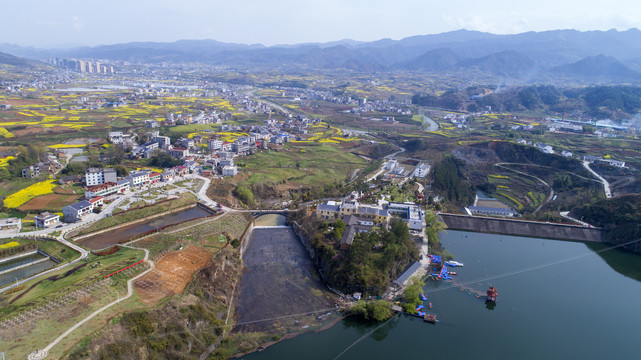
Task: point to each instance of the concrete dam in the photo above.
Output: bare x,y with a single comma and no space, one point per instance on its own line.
522,228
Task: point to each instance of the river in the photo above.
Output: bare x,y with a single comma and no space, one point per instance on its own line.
557,300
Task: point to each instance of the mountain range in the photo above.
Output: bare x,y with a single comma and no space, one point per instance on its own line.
593,56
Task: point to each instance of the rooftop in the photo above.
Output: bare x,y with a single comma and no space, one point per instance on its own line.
408,273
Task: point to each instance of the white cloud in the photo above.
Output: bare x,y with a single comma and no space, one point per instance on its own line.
77,25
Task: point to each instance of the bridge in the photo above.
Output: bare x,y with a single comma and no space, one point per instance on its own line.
260,212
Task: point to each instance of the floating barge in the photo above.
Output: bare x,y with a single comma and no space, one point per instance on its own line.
430,318
491,294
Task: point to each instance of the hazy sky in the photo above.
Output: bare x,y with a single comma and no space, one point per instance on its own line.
93,22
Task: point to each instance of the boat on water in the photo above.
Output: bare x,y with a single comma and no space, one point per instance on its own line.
452,272
453,263
491,294
431,318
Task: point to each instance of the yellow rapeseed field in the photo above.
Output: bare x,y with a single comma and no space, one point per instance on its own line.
9,245
21,197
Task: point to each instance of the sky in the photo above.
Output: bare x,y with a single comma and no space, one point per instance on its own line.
48,23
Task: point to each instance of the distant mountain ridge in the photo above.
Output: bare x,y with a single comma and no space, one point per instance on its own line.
569,53
8,59
598,66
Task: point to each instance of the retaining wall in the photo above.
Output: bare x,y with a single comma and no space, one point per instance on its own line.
244,239
522,228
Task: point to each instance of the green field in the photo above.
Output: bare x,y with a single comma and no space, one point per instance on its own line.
77,291
60,282
316,166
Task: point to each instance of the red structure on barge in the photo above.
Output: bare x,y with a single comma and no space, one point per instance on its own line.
492,293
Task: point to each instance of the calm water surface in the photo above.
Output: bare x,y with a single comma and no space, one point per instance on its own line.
557,300
126,232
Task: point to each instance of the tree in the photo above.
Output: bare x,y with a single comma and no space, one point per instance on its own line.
163,160
434,226
379,310
412,293
245,195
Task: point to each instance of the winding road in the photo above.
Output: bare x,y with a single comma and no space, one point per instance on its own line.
431,124
606,184
41,354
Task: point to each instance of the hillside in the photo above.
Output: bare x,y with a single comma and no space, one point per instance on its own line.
597,66
8,59
620,217
614,102
525,56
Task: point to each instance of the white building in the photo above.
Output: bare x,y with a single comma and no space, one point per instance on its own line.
13,223
97,176
31,171
115,137
75,212
138,179
162,140
214,144
592,159
230,170
421,170
545,148
409,212
46,219
391,164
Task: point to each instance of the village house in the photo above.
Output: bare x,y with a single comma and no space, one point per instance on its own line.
10,224
77,211
46,219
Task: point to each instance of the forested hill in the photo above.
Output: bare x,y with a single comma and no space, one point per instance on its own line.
620,217
597,101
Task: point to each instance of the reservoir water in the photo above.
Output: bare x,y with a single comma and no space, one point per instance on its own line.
557,300
11,276
127,232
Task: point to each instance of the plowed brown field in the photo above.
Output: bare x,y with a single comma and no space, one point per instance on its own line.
173,272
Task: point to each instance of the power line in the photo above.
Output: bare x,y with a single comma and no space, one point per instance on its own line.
531,268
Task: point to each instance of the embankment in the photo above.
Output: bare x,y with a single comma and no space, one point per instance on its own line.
522,228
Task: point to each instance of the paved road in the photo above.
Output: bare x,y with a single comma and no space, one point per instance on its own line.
106,212
606,184
38,354
566,215
380,171
432,125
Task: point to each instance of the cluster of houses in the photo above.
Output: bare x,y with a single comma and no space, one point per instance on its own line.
221,153
50,165
395,170
548,149
361,218
103,182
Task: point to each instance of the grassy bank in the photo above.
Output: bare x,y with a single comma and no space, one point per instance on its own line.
53,248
